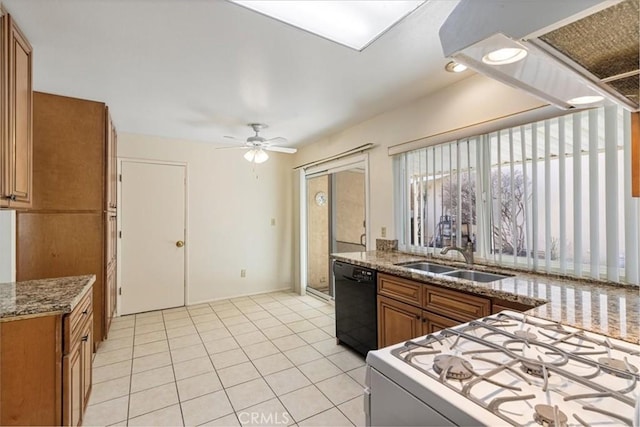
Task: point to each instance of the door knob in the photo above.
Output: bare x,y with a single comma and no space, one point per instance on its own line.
179,243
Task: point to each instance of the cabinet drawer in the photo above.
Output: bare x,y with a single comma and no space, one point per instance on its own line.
74,323
400,289
455,305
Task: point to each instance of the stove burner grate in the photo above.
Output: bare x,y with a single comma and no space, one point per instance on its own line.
532,369
456,367
529,336
618,364
547,416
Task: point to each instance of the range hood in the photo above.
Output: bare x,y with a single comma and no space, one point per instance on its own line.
570,53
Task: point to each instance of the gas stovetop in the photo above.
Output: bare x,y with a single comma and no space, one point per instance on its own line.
529,371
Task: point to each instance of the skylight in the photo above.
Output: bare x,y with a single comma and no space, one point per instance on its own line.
355,24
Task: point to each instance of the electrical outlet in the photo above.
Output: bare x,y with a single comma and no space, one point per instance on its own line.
273,221
243,273
383,232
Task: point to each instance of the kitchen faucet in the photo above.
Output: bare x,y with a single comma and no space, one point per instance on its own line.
467,252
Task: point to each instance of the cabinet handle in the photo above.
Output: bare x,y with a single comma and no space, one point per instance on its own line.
11,197
86,311
85,338
418,316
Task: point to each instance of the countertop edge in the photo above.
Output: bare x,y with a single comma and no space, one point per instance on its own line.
42,307
621,319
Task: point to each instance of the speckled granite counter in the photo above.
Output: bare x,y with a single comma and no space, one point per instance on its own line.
606,309
42,297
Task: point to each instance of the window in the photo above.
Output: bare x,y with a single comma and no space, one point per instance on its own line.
551,196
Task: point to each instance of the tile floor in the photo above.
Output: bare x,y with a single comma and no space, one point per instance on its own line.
269,359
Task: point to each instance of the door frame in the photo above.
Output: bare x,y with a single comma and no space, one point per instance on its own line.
338,165
120,161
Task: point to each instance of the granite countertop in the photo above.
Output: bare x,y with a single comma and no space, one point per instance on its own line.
44,297
609,309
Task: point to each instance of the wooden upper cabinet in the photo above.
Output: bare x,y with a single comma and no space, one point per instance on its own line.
635,154
69,153
16,121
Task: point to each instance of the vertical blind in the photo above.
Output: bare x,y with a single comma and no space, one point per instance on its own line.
552,196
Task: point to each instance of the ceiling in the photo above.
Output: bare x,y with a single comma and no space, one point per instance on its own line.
201,69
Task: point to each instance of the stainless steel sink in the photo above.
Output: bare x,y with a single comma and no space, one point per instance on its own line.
426,266
476,276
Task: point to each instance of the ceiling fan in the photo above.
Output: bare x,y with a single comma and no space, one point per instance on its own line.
258,146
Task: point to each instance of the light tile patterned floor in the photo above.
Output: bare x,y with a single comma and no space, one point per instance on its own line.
268,359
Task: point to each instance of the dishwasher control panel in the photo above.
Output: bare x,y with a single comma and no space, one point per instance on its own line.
363,274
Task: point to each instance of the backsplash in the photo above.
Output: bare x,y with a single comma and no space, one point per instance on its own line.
386,245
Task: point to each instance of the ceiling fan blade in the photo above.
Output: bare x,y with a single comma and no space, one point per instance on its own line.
281,149
235,147
233,137
276,139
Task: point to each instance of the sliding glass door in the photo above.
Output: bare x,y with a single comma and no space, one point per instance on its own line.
335,221
318,230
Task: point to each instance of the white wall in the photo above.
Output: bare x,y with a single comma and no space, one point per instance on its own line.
470,101
230,206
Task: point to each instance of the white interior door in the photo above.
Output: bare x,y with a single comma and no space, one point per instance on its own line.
153,234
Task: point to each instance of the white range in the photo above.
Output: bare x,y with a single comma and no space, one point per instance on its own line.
505,369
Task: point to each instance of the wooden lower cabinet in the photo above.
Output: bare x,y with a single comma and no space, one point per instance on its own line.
76,369
408,309
45,368
397,321
72,387
31,371
86,354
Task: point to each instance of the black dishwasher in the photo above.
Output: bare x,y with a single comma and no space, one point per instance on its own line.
356,312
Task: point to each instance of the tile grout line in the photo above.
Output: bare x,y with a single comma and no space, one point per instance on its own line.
133,347
296,367
214,366
283,303
173,369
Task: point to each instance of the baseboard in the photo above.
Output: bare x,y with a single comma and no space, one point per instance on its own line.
289,288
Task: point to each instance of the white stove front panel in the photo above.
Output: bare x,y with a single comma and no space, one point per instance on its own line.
510,391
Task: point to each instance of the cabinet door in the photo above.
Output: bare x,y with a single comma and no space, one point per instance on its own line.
111,296
111,172
397,321
86,354
72,395
111,239
20,118
432,323
4,132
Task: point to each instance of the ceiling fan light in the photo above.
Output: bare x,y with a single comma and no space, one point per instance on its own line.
250,155
261,156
